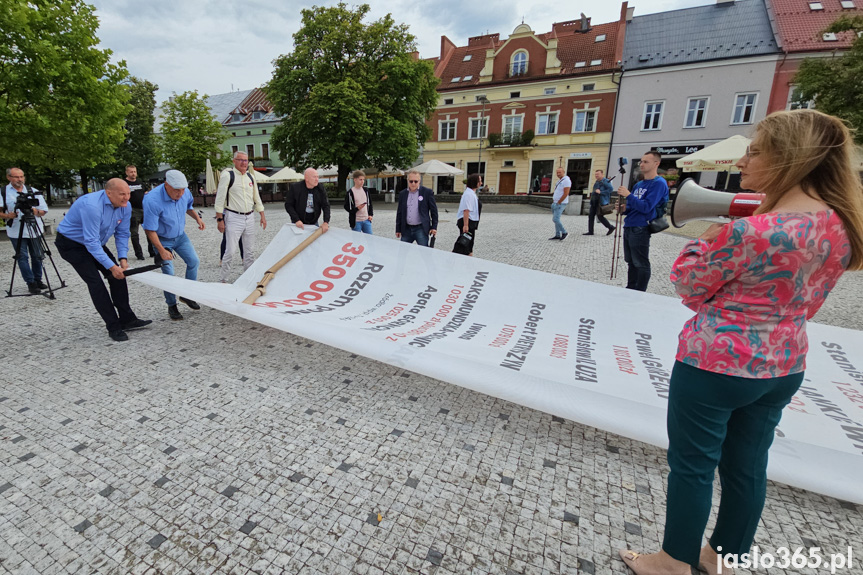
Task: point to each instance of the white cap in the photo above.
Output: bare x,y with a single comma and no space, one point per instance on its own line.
176,179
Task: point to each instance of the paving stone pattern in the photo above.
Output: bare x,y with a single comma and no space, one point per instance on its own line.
215,445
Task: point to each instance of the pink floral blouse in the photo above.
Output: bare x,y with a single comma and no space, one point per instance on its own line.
753,289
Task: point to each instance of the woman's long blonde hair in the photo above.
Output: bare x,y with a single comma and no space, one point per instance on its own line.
816,151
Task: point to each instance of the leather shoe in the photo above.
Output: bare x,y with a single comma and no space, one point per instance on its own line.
41,284
119,335
33,287
555,238
136,324
610,230
191,303
563,237
174,313
588,234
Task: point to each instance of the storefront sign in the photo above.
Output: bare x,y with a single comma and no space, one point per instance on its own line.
676,150
579,155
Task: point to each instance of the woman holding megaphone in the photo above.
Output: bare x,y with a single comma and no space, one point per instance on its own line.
753,284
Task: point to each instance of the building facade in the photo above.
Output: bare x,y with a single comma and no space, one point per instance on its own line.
691,78
249,126
514,109
799,27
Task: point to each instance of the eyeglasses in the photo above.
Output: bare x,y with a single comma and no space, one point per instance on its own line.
413,181
241,161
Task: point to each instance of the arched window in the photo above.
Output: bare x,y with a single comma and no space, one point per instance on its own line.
519,64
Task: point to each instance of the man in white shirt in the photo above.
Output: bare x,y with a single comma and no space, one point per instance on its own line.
558,203
236,203
29,236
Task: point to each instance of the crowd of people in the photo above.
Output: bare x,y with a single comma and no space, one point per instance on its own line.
752,283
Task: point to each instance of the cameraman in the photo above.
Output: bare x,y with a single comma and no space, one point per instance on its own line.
31,271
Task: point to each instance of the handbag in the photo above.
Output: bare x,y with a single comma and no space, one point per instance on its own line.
607,209
462,244
657,225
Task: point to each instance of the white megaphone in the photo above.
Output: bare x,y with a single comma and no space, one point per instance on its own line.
693,202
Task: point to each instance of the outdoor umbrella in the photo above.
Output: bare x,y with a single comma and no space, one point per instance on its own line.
720,157
286,174
437,168
212,181
260,178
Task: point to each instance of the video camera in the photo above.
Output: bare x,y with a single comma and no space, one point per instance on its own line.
622,162
25,203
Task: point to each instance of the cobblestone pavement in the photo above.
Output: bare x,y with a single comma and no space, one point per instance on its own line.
215,445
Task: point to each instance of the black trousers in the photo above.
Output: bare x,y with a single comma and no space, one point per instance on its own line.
136,220
114,307
596,212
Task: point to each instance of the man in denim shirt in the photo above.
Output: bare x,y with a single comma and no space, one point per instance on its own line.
601,196
641,204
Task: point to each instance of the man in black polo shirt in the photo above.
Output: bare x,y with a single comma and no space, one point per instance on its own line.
138,190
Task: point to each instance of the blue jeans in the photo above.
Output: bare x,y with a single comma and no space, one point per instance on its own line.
181,246
31,246
636,253
365,227
415,234
556,211
729,422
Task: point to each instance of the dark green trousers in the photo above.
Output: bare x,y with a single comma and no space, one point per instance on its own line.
729,422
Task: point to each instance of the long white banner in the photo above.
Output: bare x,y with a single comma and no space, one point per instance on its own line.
591,353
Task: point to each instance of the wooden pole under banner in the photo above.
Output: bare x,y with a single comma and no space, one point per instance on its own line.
271,273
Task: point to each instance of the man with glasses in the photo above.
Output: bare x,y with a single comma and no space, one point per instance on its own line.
237,200
307,200
641,207
416,216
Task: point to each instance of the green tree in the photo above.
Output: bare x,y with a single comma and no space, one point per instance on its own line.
352,94
836,84
140,144
61,103
191,134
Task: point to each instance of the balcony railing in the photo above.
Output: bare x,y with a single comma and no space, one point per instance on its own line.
513,140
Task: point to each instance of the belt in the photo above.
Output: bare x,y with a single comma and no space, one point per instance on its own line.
415,225
236,212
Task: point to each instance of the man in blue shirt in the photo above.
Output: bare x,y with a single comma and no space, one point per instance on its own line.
165,210
81,240
601,196
641,207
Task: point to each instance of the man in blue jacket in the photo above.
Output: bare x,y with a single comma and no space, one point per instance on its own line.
416,216
641,207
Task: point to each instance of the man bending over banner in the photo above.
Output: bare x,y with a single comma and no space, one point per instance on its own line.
306,200
165,211
81,238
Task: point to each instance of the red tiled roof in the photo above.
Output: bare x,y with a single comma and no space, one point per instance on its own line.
573,47
800,28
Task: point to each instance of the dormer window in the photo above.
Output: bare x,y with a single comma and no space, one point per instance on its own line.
816,6
518,66
600,38
257,115
467,58
829,37
237,117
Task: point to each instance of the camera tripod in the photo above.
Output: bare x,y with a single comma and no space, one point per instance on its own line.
28,221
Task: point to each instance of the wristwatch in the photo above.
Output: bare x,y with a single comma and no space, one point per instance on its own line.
220,219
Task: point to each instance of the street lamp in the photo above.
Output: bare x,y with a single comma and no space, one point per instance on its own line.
484,101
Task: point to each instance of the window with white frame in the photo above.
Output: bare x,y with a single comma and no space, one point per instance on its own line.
250,150
796,101
456,79
696,113
584,121
830,37
515,94
596,62
816,6
447,101
466,58
600,38
549,91
847,3
744,109
519,64
446,130
512,125
652,116
546,123
467,78
478,128
588,87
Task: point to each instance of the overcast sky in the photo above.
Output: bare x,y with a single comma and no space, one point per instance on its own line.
216,46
